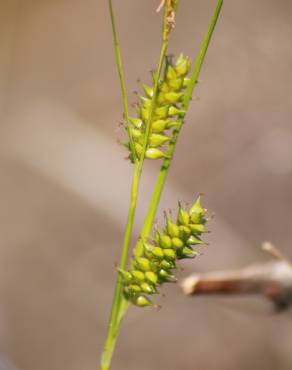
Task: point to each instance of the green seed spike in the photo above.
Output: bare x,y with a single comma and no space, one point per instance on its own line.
157,140
142,301
154,264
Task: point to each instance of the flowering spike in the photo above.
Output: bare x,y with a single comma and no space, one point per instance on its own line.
171,90
155,263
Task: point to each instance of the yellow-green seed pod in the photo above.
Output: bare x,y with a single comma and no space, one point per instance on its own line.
184,232
173,125
161,98
144,112
161,112
137,122
133,289
173,111
197,207
177,243
143,263
173,97
167,265
142,301
165,241
157,140
166,276
194,240
183,217
157,252
151,277
127,277
182,67
146,103
136,133
164,87
197,228
176,84
171,228
188,252
159,126
138,276
148,91
147,288
148,247
170,73
154,153
169,254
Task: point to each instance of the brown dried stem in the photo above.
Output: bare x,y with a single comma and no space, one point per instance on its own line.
272,279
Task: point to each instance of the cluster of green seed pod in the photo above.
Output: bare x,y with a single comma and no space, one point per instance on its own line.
171,89
156,263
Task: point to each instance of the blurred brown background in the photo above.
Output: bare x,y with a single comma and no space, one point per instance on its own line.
64,185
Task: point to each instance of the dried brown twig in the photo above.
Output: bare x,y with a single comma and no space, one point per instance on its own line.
272,279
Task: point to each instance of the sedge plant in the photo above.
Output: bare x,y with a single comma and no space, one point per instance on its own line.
152,133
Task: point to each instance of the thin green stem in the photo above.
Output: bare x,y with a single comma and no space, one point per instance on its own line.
115,318
161,179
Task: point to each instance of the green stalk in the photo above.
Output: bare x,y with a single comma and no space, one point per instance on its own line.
119,305
161,179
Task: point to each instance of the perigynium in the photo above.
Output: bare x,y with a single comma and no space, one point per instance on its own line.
152,134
